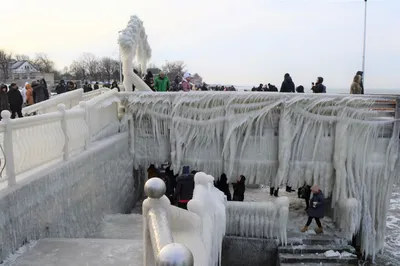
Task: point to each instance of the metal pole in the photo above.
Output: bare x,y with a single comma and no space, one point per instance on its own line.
365,41
120,61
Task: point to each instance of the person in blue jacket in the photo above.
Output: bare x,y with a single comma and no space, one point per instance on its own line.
316,210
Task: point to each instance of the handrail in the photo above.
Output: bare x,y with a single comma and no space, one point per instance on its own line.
157,230
75,95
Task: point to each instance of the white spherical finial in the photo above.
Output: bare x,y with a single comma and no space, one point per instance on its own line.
5,114
155,188
175,254
61,107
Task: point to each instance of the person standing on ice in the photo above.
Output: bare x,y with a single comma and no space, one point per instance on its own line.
222,185
316,209
186,85
355,87
287,84
239,189
361,74
161,82
319,87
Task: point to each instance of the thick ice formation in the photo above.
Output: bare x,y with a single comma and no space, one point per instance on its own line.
258,219
338,142
133,44
209,204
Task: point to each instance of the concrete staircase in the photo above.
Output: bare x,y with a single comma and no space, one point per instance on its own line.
118,241
309,251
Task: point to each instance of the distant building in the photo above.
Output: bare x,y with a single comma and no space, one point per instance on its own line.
24,71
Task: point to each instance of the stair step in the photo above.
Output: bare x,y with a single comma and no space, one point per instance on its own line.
120,226
323,240
315,258
83,252
316,264
303,249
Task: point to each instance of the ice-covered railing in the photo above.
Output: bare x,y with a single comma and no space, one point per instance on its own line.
102,114
159,246
30,142
70,99
258,219
200,229
33,141
348,144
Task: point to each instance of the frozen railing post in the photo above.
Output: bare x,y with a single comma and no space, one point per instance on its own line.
158,231
8,148
175,254
61,108
83,105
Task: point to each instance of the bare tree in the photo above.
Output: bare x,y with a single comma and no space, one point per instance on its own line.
43,63
92,65
22,57
174,68
5,61
106,66
78,70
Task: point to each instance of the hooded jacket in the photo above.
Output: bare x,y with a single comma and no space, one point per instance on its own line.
184,188
161,84
4,100
287,84
355,87
29,94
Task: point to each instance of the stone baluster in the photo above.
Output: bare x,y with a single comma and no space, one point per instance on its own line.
8,148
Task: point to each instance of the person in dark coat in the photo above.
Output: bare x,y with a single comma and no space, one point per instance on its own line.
300,89
61,88
239,189
184,190
3,99
287,84
305,193
15,100
114,85
87,87
43,83
362,81
316,209
149,80
222,184
96,86
319,87
38,91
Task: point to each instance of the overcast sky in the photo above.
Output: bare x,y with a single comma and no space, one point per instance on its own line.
241,42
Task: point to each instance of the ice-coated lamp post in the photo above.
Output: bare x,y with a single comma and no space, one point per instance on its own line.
173,254
365,41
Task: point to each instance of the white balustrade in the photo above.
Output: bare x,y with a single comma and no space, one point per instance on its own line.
102,114
32,141
91,94
70,99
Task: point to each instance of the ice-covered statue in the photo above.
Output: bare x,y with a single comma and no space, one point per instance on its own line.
133,44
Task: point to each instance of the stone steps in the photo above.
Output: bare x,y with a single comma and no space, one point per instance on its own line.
304,249
315,264
308,250
82,252
315,258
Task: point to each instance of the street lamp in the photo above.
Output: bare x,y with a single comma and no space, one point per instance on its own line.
120,61
365,40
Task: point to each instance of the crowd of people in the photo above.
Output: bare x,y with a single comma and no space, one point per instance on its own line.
288,85
179,190
13,99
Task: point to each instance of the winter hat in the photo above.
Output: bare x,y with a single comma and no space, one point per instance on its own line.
315,188
187,75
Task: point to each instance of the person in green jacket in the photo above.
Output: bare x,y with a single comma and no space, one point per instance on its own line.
161,83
